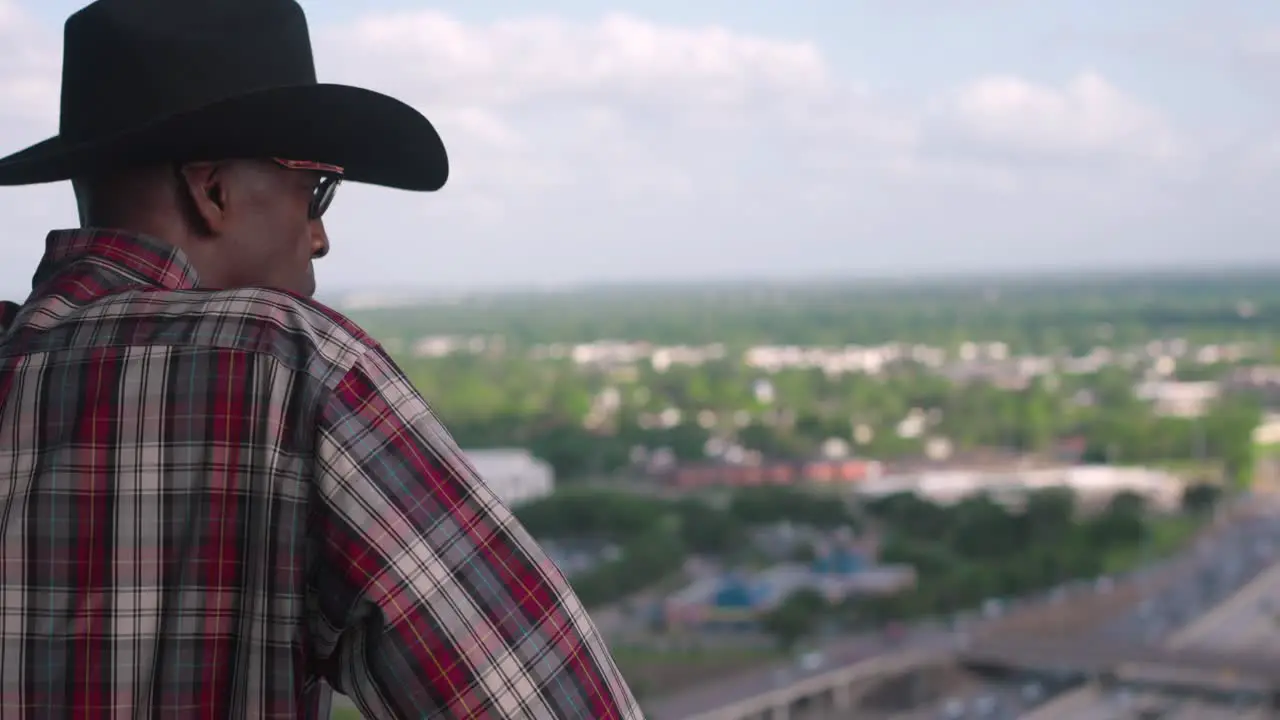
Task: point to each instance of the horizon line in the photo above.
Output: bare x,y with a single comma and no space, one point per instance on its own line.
1002,275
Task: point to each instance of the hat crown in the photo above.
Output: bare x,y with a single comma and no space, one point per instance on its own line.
128,62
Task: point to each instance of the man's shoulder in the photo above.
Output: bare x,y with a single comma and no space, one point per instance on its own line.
300,331
291,310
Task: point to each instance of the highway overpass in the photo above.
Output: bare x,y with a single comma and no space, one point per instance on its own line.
1187,668
845,679
782,696
1199,671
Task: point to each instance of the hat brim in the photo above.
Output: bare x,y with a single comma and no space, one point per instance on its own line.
377,139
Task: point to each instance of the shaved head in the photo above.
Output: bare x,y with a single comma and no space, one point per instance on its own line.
241,223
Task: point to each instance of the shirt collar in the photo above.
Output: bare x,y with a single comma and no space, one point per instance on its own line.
117,258
85,264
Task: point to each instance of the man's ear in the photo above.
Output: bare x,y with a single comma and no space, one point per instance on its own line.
204,192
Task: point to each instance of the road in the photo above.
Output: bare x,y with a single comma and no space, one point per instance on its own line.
1094,704
1244,622
1239,622
753,683
1175,593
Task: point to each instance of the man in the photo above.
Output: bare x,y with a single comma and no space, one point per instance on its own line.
217,496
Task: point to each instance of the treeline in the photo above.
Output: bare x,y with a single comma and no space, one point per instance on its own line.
508,399
963,552
1033,315
979,549
513,403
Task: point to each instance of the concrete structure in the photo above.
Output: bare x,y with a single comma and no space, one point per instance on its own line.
1098,702
783,692
1196,667
839,686
1241,631
514,474
1090,482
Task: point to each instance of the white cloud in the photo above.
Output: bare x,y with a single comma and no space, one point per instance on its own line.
1262,43
1086,116
29,71
597,121
637,112
538,60
615,147
993,177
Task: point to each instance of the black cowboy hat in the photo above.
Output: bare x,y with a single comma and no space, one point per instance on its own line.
182,80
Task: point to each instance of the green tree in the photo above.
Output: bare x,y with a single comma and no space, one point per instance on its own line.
1200,498
795,618
1051,514
1035,423
1229,428
708,530
779,503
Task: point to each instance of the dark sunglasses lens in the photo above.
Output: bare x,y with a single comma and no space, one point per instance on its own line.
325,191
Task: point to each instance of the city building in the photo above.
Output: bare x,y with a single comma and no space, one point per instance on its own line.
1179,399
514,474
1089,482
1260,381
1268,431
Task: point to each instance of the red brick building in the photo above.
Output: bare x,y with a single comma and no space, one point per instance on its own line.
817,472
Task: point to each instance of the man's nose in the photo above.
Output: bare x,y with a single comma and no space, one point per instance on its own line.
319,239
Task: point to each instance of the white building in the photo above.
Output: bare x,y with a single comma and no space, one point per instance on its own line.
1179,399
1268,432
514,474
1088,481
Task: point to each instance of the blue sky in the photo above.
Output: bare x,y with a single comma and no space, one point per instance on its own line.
669,140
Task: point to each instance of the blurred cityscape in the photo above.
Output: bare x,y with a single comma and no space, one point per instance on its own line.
1041,498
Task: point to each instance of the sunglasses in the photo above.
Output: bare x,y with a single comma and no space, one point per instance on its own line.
326,186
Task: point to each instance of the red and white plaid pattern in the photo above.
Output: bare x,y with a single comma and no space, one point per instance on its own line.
210,501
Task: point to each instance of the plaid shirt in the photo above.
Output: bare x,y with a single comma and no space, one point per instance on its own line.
210,501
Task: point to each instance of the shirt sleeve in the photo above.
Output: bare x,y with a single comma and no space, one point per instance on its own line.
428,599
